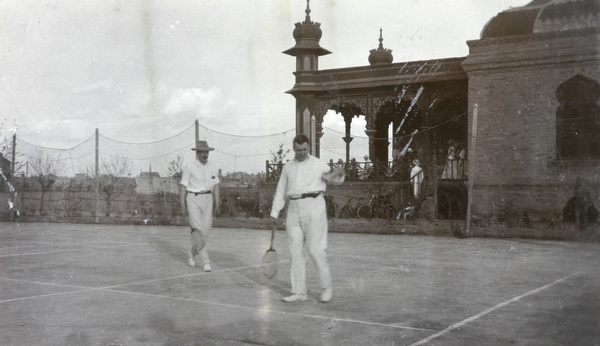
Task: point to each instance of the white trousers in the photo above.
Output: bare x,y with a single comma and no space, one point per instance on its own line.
200,210
306,223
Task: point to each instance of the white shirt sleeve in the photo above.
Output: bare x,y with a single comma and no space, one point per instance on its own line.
185,176
279,199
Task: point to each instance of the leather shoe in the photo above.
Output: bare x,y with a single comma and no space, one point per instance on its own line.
327,295
191,262
207,267
296,297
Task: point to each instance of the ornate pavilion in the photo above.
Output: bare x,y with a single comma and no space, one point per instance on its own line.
524,103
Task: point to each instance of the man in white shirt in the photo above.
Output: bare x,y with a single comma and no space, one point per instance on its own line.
302,183
198,190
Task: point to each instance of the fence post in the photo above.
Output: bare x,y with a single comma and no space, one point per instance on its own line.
14,146
471,166
267,171
97,189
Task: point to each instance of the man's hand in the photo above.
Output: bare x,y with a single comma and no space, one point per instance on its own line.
335,176
271,221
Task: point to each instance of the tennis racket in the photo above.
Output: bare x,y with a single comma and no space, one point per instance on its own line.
270,262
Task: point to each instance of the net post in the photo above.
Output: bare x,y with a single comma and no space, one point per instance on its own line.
97,182
14,157
471,169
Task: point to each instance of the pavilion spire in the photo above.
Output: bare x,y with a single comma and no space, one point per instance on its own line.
307,19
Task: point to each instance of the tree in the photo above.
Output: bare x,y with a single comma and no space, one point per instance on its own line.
278,156
175,167
116,179
275,165
6,149
46,170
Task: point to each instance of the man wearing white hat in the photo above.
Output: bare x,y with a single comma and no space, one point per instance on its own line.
198,190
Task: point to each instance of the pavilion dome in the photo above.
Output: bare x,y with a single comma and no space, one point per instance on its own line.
380,55
541,16
307,30
307,35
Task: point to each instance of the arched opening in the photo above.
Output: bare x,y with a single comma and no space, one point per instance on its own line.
578,119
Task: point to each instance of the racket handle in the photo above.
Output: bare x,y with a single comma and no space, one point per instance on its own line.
273,234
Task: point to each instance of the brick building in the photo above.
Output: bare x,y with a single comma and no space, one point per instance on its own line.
524,102
535,76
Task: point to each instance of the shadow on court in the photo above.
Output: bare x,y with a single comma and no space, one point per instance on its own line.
71,284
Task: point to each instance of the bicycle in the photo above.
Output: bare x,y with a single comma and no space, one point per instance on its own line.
227,208
379,206
261,211
330,205
349,210
265,211
366,172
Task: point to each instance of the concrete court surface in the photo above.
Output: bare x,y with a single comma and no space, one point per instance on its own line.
75,284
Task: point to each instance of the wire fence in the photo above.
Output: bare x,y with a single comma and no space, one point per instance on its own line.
233,153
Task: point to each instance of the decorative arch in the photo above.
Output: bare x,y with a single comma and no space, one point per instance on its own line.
349,108
404,117
578,119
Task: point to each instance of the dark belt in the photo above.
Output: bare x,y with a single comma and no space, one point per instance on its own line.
306,195
201,193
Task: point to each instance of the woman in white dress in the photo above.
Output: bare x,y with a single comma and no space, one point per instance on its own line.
450,170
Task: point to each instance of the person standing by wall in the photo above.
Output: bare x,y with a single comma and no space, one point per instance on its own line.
462,160
301,185
198,190
416,177
450,169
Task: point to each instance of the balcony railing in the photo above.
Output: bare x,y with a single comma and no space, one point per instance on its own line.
453,170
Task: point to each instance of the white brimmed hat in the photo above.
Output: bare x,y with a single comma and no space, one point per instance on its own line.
202,146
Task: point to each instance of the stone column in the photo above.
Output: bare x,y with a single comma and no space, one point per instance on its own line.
371,134
347,139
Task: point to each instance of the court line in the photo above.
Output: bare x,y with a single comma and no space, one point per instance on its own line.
234,271
487,311
114,289
43,296
73,250
285,313
176,277
47,284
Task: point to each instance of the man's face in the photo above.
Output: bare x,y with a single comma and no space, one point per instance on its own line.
202,156
301,151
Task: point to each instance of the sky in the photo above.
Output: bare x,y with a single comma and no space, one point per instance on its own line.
141,71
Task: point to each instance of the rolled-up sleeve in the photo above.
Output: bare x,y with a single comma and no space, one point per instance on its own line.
185,177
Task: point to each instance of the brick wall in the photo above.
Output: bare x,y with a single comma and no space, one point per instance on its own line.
514,83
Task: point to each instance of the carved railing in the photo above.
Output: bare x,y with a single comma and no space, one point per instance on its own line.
273,171
454,170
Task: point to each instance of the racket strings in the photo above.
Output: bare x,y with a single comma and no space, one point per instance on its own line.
270,263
